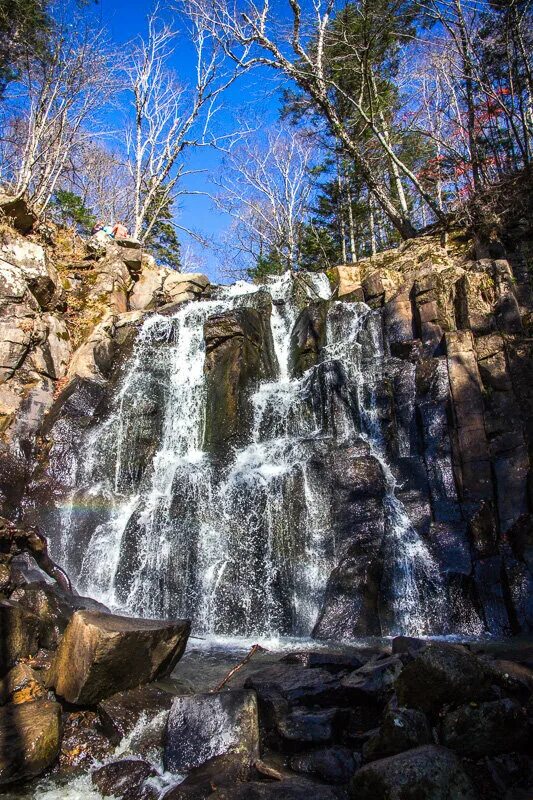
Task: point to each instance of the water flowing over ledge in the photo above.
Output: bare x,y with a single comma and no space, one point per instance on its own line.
153,525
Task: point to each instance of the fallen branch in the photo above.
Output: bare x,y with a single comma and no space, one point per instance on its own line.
256,648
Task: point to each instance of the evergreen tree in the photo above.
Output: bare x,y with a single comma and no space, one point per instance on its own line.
162,239
71,209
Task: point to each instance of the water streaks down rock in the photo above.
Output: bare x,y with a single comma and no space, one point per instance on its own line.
203,726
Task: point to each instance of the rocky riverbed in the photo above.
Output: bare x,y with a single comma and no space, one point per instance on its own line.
96,705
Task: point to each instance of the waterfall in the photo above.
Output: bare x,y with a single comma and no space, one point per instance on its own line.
414,583
153,527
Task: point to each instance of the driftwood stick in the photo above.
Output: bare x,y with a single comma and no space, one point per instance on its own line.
256,648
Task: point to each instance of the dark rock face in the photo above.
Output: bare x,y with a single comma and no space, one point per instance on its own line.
217,773
333,765
239,353
486,729
401,729
21,632
442,674
82,744
120,713
308,337
292,789
427,773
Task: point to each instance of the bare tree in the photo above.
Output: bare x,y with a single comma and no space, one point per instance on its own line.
99,175
265,184
54,106
252,36
167,118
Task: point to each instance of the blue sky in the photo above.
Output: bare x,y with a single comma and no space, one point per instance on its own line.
124,20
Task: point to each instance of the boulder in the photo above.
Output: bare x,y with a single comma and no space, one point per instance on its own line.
100,653
373,680
30,736
203,726
54,607
334,765
425,773
486,729
301,725
82,744
348,280
146,292
17,212
121,713
21,685
290,789
400,729
297,684
126,780
218,772
442,673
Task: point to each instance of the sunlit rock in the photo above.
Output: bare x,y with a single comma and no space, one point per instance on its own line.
100,653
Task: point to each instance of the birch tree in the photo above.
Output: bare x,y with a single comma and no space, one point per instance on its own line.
265,184
252,36
55,104
166,117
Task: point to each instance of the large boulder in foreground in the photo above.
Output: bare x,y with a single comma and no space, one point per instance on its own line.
203,726
426,773
30,735
101,654
442,673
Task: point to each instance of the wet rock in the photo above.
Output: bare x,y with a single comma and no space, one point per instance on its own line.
20,634
442,673
126,780
82,744
334,765
100,653
305,726
400,729
292,789
203,726
297,684
54,607
145,708
486,729
239,353
218,772
425,773
333,662
375,679
308,337
21,685
29,739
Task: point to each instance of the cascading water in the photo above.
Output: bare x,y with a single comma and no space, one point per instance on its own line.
248,548
414,584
